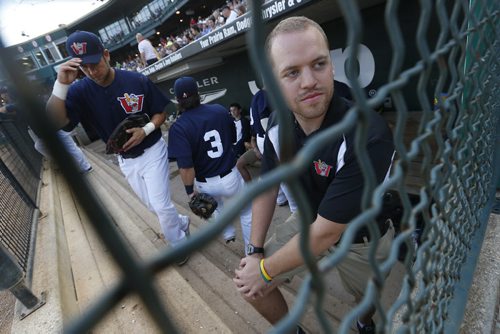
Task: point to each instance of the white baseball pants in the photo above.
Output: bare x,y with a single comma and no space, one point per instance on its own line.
148,176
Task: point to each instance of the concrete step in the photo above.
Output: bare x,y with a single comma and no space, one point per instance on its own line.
211,270
204,277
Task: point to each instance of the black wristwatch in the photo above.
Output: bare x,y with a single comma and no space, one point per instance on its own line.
251,249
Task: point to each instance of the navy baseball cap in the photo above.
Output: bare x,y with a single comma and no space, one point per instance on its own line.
185,87
85,45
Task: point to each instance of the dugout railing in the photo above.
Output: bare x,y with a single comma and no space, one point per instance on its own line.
20,167
458,170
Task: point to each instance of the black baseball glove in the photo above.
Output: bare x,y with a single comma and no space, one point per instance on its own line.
119,136
203,205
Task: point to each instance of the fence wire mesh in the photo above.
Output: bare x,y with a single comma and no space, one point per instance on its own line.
19,178
454,144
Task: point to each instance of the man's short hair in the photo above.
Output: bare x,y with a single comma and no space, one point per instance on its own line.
190,102
236,105
292,24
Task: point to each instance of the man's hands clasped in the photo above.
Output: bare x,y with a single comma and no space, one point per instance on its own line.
248,279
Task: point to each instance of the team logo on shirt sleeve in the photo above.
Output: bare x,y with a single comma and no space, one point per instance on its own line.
131,103
322,168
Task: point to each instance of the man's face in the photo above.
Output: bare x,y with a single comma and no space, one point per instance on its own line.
226,12
301,62
100,72
235,112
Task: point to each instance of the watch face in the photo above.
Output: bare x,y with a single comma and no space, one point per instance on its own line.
251,249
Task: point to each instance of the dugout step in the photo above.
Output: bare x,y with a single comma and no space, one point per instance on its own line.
209,271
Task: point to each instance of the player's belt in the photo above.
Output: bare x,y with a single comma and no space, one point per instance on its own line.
135,153
131,155
202,179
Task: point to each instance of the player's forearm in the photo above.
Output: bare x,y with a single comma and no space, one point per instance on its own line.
57,110
187,176
159,119
262,214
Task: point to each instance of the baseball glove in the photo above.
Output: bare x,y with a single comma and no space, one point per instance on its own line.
203,205
119,136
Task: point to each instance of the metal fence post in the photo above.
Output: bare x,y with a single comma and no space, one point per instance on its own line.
12,278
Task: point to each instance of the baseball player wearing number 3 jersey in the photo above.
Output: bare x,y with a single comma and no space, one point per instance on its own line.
107,96
201,140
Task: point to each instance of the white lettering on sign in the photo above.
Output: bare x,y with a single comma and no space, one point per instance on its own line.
215,37
205,82
204,43
274,9
229,31
245,24
365,60
175,57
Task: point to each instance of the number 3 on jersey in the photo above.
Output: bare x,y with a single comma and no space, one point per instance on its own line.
213,137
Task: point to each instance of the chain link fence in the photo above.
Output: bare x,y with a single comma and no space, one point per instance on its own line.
20,168
455,143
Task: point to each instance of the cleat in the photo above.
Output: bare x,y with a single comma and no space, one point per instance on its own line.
182,261
366,329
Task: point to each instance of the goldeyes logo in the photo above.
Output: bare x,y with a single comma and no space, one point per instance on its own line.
131,103
79,48
322,168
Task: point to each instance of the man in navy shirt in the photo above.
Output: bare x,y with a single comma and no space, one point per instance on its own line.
201,140
299,53
105,97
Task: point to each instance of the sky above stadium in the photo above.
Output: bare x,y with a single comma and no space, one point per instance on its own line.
22,20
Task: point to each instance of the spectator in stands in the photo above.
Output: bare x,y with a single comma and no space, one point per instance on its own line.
163,47
195,32
187,38
241,9
149,55
209,25
229,14
180,41
218,18
174,47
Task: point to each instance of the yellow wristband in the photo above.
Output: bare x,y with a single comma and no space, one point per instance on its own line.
264,273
